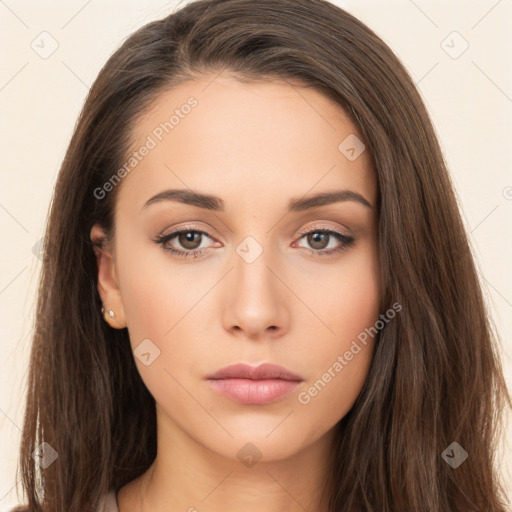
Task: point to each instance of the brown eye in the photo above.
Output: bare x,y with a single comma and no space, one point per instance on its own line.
319,239
189,239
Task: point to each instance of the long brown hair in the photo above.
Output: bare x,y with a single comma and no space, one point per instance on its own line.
436,376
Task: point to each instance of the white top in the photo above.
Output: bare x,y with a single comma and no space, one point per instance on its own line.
109,505
111,502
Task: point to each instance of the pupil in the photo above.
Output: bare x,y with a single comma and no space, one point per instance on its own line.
316,238
189,237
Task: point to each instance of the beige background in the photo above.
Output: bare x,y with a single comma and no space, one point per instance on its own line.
469,98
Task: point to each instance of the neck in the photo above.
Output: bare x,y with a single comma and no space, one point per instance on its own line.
190,477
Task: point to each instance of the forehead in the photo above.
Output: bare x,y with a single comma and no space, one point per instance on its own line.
244,139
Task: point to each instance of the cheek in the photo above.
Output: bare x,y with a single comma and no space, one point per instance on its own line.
345,297
161,301
158,301
326,399
156,294
339,362
356,304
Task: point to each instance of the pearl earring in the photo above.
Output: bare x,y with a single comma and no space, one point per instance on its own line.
108,314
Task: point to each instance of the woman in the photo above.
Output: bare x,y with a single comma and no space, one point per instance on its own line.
257,291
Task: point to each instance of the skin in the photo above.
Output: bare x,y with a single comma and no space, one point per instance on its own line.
255,145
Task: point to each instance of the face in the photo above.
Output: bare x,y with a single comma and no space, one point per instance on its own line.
261,272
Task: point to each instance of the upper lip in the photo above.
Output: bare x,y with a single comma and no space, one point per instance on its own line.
262,371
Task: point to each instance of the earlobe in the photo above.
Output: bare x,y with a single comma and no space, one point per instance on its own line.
108,286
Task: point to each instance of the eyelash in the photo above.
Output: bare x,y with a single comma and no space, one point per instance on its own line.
347,241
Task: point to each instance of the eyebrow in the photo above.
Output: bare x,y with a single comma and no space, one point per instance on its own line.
214,203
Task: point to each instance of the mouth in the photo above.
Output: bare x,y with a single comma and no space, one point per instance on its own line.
263,384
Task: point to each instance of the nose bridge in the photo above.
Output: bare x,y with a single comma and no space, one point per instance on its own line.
254,256
256,301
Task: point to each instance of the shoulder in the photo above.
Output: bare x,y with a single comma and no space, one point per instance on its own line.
19,508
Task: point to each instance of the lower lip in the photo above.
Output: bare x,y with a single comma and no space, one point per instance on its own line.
247,391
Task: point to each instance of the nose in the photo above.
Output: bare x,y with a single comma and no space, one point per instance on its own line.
256,305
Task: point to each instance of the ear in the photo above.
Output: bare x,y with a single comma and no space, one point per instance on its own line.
108,286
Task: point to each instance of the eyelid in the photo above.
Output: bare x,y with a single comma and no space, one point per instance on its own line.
301,232
186,227
322,226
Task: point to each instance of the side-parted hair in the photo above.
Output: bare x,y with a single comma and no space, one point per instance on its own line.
436,375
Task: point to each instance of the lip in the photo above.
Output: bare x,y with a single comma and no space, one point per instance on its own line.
258,385
262,371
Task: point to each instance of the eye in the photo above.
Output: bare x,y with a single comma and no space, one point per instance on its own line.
319,240
190,241
188,238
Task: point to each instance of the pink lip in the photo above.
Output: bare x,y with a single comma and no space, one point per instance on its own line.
262,384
